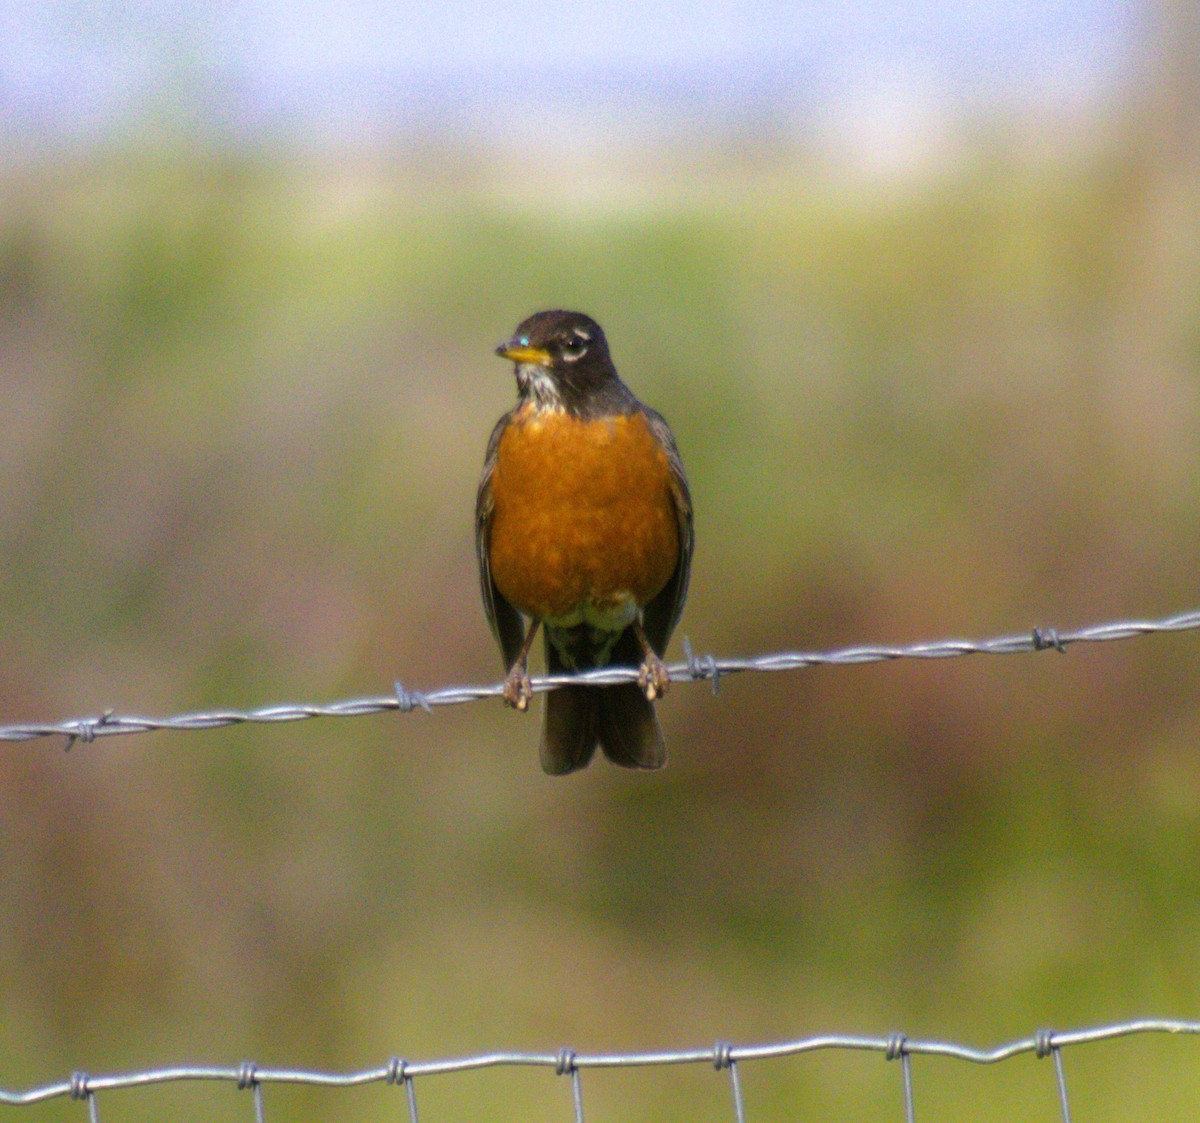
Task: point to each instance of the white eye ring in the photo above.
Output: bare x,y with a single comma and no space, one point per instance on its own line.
575,347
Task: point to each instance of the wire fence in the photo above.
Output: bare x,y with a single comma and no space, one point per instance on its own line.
695,668
723,1056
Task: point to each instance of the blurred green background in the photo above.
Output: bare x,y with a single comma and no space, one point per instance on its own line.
245,392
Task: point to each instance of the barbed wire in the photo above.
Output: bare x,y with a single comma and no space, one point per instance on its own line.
723,1056
695,668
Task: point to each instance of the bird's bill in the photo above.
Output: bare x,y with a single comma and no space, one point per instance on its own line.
522,353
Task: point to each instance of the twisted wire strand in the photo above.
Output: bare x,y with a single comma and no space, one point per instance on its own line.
694,669
722,1055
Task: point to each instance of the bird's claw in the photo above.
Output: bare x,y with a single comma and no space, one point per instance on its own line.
517,689
653,677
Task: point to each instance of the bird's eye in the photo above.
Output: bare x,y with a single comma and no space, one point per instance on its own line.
574,346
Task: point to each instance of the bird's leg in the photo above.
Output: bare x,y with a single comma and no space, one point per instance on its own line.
652,675
517,690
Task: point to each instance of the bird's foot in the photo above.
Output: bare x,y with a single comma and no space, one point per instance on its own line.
653,677
517,689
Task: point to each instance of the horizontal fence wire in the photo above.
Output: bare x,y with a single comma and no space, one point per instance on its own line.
723,1056
704,668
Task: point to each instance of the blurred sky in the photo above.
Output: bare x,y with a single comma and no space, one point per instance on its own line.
75,69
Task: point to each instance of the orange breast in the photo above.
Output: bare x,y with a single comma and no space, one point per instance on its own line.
584,515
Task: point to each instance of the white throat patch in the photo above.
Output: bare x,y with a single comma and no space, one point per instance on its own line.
534,381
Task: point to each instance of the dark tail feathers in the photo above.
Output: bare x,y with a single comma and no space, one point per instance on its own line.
619,719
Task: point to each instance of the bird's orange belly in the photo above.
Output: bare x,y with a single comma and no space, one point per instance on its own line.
584,524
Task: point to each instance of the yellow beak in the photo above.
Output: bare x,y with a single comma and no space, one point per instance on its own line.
523,353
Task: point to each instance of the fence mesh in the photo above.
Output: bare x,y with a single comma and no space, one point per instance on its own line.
723,1056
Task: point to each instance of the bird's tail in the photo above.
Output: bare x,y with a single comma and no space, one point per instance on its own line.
620,719
569,733
627,728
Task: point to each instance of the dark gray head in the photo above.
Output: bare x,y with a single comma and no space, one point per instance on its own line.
562,362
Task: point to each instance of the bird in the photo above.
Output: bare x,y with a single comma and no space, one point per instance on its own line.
583,526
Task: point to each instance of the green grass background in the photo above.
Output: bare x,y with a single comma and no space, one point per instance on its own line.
245,397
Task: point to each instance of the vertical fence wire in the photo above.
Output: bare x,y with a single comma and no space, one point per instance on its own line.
411,1089
897,1048
723,1058
1061,1079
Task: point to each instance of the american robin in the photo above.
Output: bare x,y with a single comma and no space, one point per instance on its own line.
583,524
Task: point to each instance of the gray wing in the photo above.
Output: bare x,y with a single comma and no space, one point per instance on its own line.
504,620
662,614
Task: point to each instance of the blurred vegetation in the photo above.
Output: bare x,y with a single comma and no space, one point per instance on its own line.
245,398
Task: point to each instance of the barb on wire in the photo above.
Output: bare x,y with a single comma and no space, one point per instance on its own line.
704,668
568,1062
